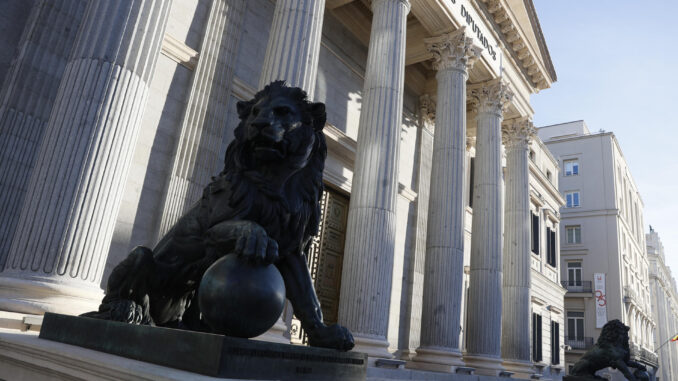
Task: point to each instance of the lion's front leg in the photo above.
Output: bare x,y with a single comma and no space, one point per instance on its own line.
301,294
246,239
621,365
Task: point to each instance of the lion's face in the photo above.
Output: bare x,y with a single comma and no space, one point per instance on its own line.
275,131
279,128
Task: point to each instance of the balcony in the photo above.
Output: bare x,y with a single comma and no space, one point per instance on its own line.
579,343
644,356
582,286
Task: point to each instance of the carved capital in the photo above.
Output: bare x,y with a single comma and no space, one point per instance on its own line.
453,50
470,142
492,96
517,133
427,109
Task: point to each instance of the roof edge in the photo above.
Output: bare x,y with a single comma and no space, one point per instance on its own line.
536,26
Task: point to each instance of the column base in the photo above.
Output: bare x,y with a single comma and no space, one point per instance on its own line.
374,347
436,359
520,368
405,354
34,295
484,365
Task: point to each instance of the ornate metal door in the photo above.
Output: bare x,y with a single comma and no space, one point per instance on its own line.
325,259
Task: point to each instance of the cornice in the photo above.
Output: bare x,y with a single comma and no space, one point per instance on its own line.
498,13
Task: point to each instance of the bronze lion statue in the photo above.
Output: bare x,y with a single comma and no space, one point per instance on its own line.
611,350
263,207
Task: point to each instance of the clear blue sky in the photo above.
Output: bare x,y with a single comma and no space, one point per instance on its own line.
617,62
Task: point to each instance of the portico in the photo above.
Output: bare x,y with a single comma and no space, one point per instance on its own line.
408,85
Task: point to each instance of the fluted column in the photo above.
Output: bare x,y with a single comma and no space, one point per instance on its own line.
453,55
483,344
203,125
294,44
370,236
292,55
26,100
411,318
515,329
66,224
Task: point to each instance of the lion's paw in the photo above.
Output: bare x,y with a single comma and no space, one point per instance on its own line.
333,336
255,246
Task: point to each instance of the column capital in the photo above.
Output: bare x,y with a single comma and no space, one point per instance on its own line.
453,50
427,109
491,96
517,133
373,3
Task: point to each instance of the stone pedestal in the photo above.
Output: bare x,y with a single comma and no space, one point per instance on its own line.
483,343
26,100
515,330
206,354
443,282
370,238
73,196
294,44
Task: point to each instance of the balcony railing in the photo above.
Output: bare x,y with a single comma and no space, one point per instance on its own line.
579,342
645,356
577,286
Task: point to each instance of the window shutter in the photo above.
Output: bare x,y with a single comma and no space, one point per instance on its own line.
470,191
555,347
539,339
535,233
553,249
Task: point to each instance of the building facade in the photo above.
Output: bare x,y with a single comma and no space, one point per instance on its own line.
664,296
439,241
604,263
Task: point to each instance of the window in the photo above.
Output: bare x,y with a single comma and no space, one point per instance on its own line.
551,247
572,199
573,234
555,343
574,274
536,337
531,155
548,175
571,167
575,325
535,233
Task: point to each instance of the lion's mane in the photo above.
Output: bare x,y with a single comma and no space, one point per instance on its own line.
292,216
615,333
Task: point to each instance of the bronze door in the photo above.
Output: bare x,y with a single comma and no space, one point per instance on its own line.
325,259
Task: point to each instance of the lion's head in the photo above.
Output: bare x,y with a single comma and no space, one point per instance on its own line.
616,334
279,129
279,151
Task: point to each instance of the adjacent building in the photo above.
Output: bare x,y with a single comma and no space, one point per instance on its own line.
440,237
604,262
664,296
